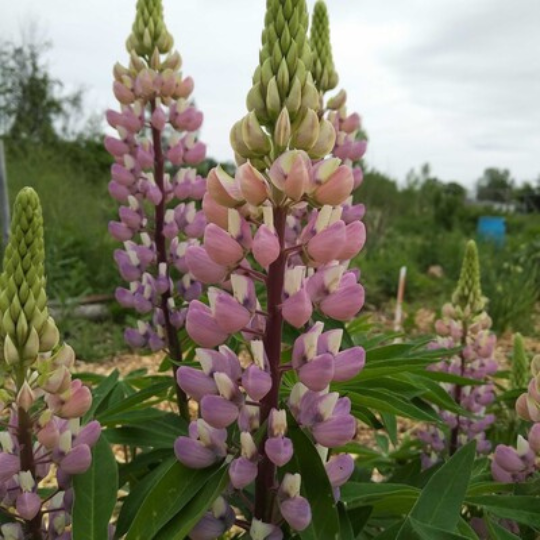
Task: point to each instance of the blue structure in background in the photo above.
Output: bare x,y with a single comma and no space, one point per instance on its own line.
492,228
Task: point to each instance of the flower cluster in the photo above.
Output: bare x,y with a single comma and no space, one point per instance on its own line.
464,326
41,406
154,180
350,145
517,464
275,254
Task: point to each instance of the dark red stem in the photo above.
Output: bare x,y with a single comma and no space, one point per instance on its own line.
175,349
33,527
265,483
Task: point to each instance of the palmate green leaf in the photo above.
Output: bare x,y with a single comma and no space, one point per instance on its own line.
180,526
315,487
523,509
138,494
440,502
95,495
166,498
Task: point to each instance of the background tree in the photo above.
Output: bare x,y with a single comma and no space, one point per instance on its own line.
33,105
495,185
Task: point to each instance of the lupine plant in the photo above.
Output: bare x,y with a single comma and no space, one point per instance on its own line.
465,326
510,464
42,440
279,248
154,180
349,147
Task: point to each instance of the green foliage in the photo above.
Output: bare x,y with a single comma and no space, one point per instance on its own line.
95,495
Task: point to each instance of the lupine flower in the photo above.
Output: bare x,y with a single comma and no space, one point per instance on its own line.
279,253
518,464
466,325
154,181
511,465
35,364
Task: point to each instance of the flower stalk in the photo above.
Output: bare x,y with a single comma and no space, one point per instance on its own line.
464,325
35,365
155,181
276,251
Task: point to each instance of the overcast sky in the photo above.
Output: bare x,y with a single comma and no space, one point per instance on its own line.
455,83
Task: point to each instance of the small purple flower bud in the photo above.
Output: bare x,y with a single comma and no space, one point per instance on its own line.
242,472
202,267
195,383
297,309
266,246
28,505
336,431
77,461
279,450
9,466
202,327
256,382
345,303
229,314
218,411
221,247
349,363
194,454
317,373
89,434
339,469
134,338
534,438
118,191
296,512
325,246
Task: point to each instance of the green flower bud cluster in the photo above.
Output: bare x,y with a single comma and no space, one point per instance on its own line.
468,293
149,31
283,101
323,70
520,375
25,326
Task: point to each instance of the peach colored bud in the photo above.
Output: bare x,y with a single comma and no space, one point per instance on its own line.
253,184
325,142
184,88
337,101
25,397
224,189
221,247
307,133
124,95
214,212
337,188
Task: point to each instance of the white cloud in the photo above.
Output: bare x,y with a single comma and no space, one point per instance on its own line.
452,82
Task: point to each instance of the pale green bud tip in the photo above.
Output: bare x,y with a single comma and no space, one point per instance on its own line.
468,293
323,70
520,363
23,301
284,63
149,31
